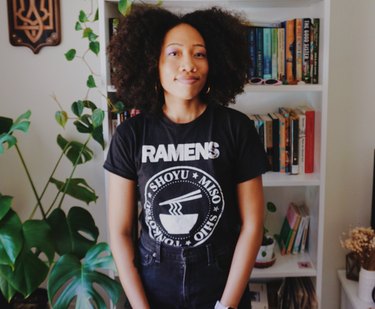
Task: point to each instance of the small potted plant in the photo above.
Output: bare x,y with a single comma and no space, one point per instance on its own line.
266,256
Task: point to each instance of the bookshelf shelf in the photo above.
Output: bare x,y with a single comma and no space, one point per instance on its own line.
273,179
286,266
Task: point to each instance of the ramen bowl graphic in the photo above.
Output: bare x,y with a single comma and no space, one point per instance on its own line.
177,222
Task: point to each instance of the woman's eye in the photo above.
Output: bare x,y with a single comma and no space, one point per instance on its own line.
172,53
200,55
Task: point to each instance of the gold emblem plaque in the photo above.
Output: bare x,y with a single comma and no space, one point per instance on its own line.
34,23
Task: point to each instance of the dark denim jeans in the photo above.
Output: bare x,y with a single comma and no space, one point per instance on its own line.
185,278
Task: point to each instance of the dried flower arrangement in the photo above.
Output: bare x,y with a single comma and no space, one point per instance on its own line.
361,241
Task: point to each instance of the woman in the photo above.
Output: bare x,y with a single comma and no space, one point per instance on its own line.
195,163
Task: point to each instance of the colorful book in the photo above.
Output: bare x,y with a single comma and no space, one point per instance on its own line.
288,229
281,54
282,142
285,112
252,52
306,51
309,112
299,47
301,140
267,53
315,25
268,137
294,138
275,142
259,51
290,51
274,52
296,222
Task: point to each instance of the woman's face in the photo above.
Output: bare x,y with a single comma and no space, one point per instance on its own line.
183,64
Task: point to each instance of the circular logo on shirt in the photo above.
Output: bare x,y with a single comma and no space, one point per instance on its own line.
183,205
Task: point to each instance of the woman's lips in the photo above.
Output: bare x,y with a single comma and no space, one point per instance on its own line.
187,80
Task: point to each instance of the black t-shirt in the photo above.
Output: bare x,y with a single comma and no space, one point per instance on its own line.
187,173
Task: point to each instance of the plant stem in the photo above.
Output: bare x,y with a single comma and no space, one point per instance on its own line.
71,174
31,182
48,182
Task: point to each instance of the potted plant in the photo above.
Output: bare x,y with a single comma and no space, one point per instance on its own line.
266,255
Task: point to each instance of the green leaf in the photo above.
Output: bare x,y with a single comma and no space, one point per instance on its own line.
97,117
95,47
76,152
70,54
91,82
119,106
77,108
97,135
271,207
89,104
61,118
77,188
9,139
86,32
28,274
38,235
82,279
124,6
11,238
82,17
96,17
5,205
74,234
93,37
22,123
6,289
78,26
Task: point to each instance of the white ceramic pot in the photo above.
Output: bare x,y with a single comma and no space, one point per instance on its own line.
265,253
366,285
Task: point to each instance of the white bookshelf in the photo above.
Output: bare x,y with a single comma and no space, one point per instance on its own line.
279,188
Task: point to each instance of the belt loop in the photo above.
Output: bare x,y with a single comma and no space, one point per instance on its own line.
157,252
210,255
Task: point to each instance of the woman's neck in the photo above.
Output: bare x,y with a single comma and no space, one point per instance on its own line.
183,111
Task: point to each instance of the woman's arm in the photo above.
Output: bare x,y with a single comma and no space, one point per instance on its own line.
122,205
251,206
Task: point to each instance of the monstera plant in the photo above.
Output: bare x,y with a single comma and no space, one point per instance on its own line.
58,243
61,243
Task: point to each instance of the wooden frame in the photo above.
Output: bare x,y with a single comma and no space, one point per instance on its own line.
34,23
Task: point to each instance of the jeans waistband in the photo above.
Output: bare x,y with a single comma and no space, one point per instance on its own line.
207,251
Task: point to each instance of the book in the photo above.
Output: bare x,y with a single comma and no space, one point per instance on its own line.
275,142
315,27
303,221
282,142
267,53
288,229
258,295
281,54
290,51
252,52
306,213
309,113
274,52
299,47
268,140
259,52
306,51
294,138
296,220
301,140
285,112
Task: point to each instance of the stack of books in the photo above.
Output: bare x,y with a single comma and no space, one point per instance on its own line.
288,138
294,230
287,51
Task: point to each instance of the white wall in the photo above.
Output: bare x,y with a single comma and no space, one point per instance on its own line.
27,82
351,132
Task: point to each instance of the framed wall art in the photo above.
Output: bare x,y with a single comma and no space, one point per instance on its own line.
34,23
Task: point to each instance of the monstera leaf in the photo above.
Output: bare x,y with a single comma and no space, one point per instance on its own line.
76,233
76,152
73,279
11,239
77,188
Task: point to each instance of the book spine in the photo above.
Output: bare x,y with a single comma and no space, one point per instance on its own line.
275,142
282,143
299,47
285,114
267,53
301,142
294,145
310,140
259,52
290,51
315,71
281,53
252,52
306,51
274,45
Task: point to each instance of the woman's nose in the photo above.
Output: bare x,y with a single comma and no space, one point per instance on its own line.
188,65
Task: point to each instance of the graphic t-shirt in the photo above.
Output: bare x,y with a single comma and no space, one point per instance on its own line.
187,173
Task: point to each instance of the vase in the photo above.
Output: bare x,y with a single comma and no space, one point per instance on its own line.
266,256
366,285
352,265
